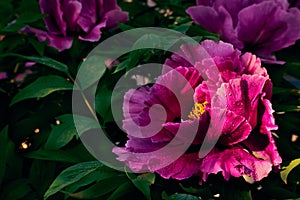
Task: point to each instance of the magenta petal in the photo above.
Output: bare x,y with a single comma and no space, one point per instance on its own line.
267,125
60,43
282,29
184,167
235,129
181,83
220,49
187,56
114,17
95,34
54,21
202,93
106,6
253,65
142,145
72,11
197,126
146,109
136,112
88,16
204,16
243,96
228,32
260,26
235,162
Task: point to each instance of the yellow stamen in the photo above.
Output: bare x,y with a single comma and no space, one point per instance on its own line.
197,110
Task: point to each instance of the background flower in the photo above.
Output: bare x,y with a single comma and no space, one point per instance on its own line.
245,147
66,19
260,26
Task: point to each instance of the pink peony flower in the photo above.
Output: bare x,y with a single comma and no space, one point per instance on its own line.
244,147
259,26
68,18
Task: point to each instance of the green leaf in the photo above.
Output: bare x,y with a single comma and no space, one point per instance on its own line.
29,17
143,182
49,62
183,28
91,70
6,12
15,190
95,176
238,195
2,90
121,191
84,124
71,175
101,188
276,191
29,6
39,47
41,175
42,87
286,170
62,133
236,189
204,192
6,146
53,155
182,197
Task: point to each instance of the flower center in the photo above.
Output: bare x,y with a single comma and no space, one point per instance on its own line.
197,110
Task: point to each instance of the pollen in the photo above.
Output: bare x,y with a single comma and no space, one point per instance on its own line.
197,110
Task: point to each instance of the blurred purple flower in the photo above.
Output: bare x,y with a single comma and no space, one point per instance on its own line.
21,76
68,18
259,26
246,146
3,75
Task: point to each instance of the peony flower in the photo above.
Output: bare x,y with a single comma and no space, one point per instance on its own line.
259,26
197,103
68,18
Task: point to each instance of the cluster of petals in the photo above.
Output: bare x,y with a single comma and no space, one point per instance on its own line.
258,26
192,93
66,19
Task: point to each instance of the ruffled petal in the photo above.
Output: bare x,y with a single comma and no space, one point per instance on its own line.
242,96
184,167
278,29
204,15
95,34
58,42
253,65
72,10
54,20
235,129
235,162
114,17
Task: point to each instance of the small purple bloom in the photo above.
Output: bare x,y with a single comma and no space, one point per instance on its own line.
259,26
85,18
21,76
245,146
3,75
